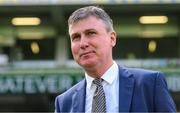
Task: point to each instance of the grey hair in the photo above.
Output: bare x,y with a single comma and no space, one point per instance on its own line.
95,11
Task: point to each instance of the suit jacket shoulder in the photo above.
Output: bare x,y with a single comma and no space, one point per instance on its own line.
144,76
150,92
64,102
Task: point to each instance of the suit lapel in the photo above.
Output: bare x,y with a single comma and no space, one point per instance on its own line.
126,85
79,98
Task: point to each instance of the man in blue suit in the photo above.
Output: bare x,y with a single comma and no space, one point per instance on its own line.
124,89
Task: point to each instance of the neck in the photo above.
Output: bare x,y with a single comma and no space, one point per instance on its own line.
98,71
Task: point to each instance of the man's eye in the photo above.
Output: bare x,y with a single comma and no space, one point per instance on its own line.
91,33
75,38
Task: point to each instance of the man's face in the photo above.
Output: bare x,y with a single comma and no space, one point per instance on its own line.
91,44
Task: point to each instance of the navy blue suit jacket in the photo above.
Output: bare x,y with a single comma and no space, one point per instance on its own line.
139,91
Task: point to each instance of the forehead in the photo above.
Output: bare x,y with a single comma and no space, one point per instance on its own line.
86,23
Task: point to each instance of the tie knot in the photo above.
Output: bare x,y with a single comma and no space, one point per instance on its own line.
98,81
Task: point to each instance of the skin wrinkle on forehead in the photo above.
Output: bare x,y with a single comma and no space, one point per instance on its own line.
108,29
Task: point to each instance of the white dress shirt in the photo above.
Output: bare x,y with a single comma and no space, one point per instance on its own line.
111,89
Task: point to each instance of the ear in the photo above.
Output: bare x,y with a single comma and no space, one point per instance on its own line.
113,38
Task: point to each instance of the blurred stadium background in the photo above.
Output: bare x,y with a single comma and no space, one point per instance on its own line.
35,57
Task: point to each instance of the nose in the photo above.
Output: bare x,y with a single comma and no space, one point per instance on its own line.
84,43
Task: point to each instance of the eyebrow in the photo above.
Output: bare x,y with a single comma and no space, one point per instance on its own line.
86,30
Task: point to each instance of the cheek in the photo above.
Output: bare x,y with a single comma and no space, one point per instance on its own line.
74,49
105,46
104,43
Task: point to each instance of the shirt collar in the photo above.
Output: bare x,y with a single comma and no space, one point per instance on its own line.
109,76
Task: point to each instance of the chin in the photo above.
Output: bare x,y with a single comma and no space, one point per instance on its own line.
87,64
